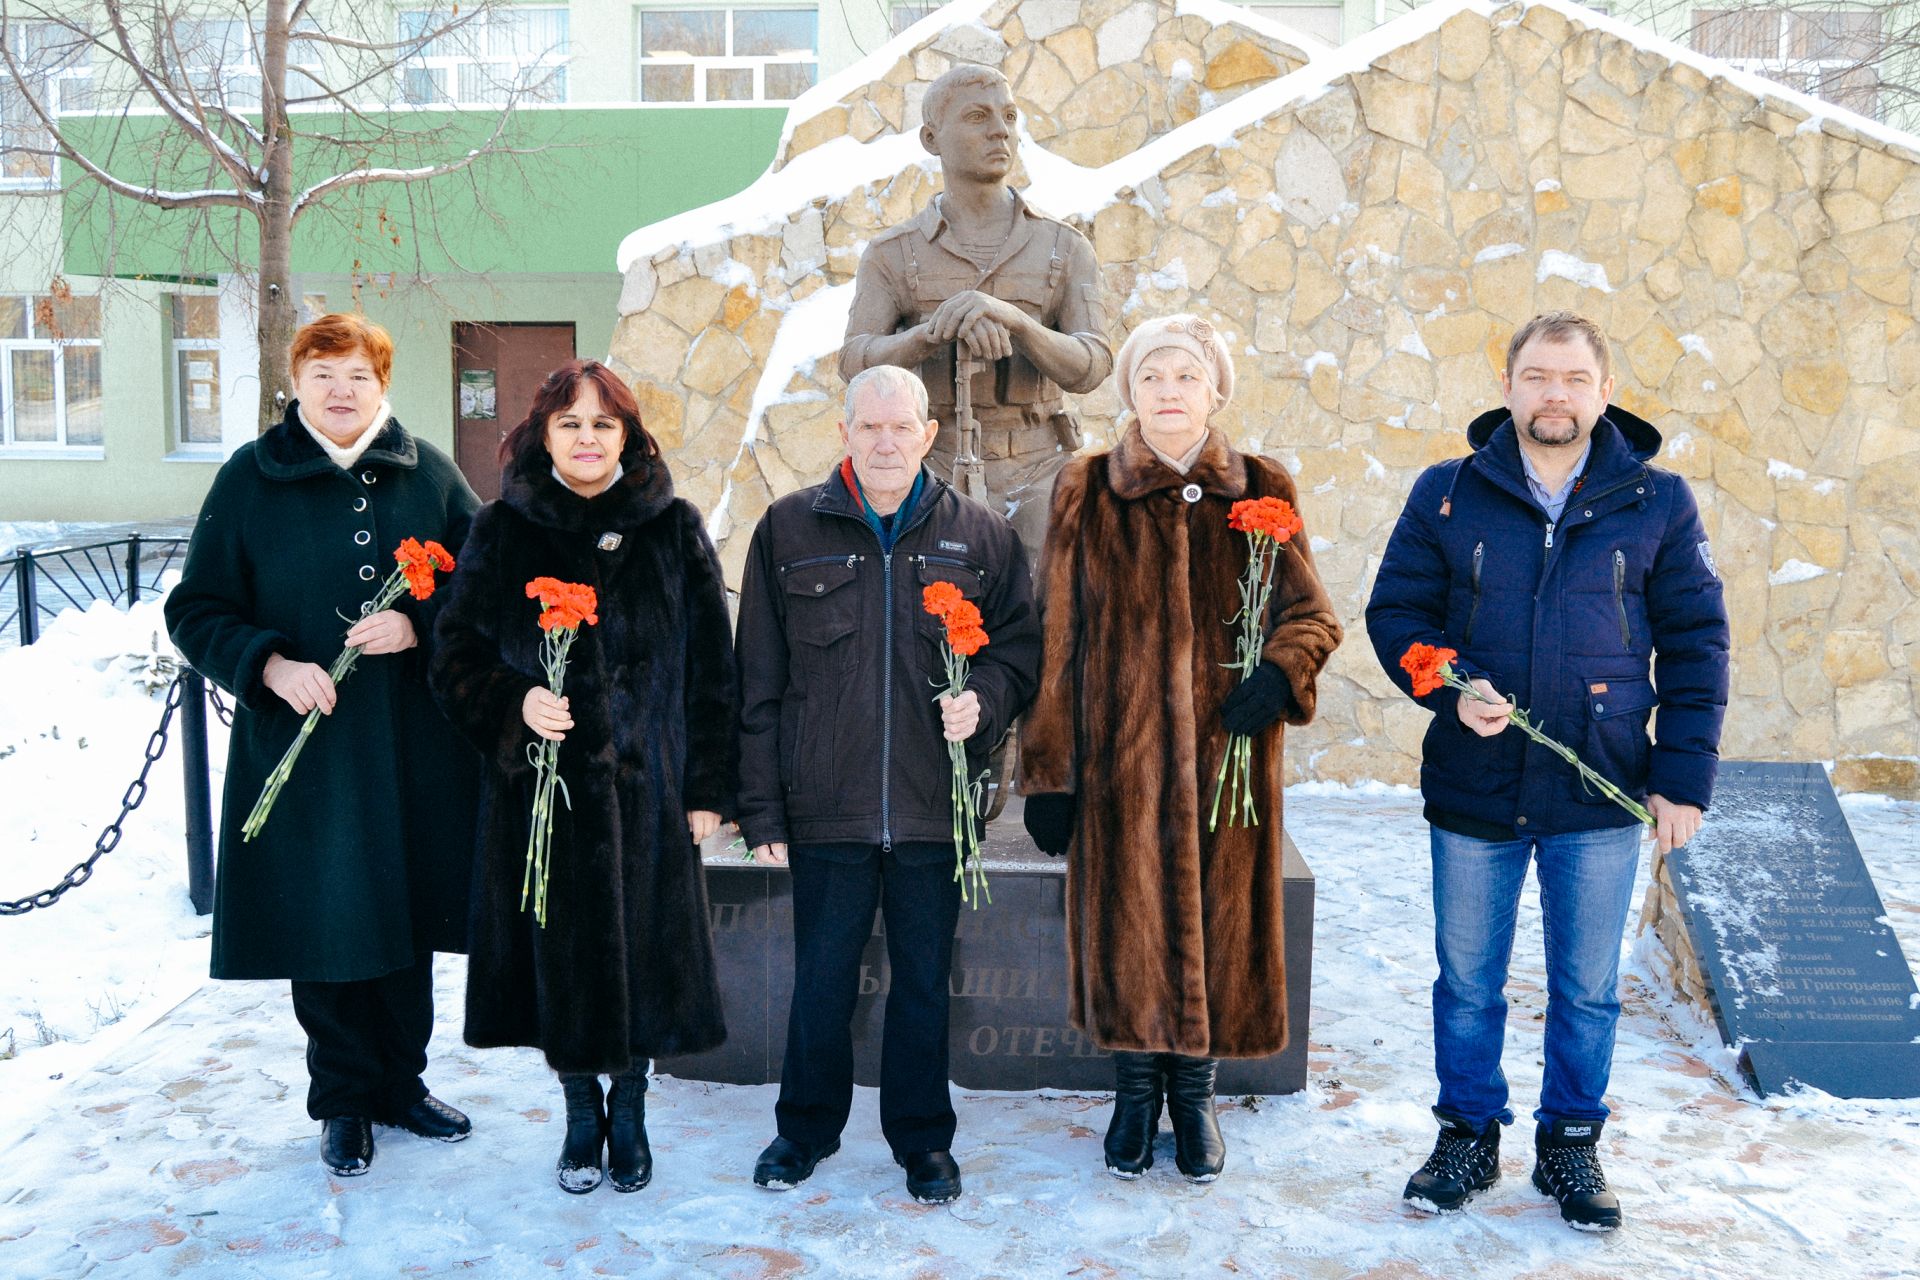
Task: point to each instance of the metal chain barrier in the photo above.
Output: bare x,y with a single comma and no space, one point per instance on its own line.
136,793
220,707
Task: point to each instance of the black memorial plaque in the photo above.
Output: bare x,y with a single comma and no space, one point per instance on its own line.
1804,972
1008,1018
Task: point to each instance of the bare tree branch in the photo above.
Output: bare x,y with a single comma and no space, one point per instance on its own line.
244,175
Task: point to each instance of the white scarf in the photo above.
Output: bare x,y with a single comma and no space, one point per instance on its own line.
345,456
619,470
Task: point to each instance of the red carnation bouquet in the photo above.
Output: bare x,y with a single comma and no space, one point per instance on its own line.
1432,668
565,607
966,635
1269,524
418,561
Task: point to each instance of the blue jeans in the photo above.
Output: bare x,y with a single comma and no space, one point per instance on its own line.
1586,886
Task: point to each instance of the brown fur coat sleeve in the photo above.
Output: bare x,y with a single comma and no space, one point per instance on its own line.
1302,629
1049,748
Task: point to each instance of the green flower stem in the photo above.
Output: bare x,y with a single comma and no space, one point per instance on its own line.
1235,780
390,591
546,763
969,868
1519,720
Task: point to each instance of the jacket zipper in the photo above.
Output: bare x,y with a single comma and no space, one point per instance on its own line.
973,569
848,560
922,512
1546,565
1479,557
886,707
1620,597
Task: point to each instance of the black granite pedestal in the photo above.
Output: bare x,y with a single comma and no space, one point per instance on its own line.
1009,1013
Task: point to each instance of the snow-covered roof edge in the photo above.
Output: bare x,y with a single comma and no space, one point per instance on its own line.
1061,187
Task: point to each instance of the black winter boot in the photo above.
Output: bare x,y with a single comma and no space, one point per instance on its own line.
1198,1147
1465,1160
1137,1091
578,1170
629,1159
1567,1167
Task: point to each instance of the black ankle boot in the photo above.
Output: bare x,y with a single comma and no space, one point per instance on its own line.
1198,1148
1465,1161
1567,1167
578,1170
629,1159
1136,1113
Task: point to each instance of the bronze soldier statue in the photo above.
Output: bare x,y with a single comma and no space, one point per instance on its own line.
978,283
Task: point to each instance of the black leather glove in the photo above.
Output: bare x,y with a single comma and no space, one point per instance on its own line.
1049,818
1257,701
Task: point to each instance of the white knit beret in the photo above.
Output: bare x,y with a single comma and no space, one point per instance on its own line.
1187,333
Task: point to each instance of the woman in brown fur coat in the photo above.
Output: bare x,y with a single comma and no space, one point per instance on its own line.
1175,947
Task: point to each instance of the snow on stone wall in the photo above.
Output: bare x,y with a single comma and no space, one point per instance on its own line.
1370,227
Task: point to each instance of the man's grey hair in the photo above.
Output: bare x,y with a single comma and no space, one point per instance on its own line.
886,379
942,92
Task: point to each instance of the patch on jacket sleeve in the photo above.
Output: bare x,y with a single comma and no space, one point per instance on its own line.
1706,557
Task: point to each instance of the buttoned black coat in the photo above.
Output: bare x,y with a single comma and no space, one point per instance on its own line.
365,861
623,970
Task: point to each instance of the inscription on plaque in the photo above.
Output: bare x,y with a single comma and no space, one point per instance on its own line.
1802,969
1008,1015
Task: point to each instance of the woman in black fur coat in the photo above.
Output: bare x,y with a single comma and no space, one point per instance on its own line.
623,969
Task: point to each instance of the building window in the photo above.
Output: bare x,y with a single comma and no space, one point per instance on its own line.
219,59
56,66
1829,53
728,55
196,368
486,60
1321,21
50,371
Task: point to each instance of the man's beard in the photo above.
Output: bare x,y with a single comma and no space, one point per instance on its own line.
1552,433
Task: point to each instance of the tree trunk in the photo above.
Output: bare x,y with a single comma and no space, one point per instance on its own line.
278,314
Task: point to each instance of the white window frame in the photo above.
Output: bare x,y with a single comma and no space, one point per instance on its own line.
235,85
177,347
1783,62
58,446
703,63
68,88
506,69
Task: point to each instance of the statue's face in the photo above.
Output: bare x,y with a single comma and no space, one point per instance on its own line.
975,139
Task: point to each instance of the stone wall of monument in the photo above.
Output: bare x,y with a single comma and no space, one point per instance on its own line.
1370,229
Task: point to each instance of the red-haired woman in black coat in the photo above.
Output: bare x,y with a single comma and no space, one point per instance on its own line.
622,971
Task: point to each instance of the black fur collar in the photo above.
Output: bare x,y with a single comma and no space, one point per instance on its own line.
288,452
645,491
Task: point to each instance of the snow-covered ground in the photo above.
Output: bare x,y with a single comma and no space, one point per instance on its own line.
152,1125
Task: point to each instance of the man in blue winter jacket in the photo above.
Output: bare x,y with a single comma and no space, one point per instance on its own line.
1560,566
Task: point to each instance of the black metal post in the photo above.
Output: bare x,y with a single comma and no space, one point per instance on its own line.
133,570
29,607
199,792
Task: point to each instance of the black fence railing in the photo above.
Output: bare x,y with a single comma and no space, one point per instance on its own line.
38,582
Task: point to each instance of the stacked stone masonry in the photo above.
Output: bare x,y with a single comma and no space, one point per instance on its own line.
1370,241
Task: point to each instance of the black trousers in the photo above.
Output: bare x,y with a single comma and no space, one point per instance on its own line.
835,890
367,1042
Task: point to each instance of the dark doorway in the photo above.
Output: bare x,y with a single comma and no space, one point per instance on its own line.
497,368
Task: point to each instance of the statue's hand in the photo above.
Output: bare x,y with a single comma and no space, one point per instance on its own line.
953,318
987,339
